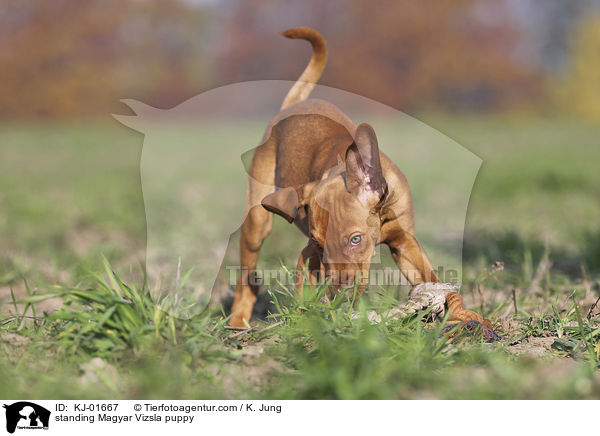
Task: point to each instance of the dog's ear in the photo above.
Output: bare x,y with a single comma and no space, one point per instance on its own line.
364,175
287,201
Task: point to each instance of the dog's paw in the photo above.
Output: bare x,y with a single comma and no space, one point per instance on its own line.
238,323
473,328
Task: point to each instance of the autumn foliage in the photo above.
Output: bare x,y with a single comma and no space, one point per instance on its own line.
71,58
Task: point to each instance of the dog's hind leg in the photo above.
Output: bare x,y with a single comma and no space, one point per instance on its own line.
255,228
309,267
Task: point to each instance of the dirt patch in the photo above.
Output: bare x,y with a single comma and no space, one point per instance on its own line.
508,326
13,346
533,347
255,368
98,371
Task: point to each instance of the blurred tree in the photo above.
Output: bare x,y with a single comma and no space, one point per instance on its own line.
73,58
580,90
455,54
67,58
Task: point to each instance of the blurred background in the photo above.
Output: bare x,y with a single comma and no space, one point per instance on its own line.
517,82
71,59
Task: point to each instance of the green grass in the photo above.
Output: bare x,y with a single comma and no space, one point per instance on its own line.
72,197
309,350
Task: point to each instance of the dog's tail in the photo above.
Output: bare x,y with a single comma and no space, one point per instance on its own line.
306,82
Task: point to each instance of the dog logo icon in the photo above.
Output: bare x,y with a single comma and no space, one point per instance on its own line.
26,415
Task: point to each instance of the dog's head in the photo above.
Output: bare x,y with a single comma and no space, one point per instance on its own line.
343,211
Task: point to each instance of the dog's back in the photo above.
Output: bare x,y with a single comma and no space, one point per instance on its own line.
308,134
306,147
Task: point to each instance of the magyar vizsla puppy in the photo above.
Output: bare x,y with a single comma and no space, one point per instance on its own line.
320,171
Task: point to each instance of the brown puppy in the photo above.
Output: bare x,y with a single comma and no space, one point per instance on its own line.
319,170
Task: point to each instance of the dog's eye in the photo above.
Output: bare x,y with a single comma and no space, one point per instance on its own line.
356,239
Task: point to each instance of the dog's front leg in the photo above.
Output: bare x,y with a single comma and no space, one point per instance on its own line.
255,229
414,264
410,257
